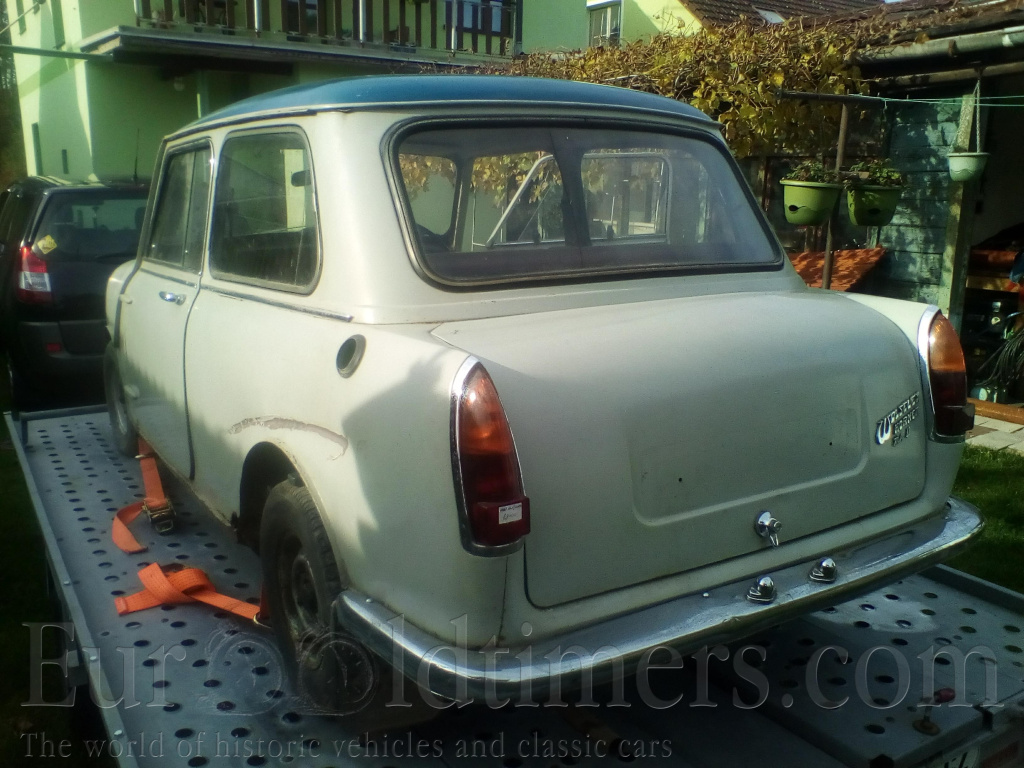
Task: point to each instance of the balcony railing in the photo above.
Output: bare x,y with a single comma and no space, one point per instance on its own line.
477,26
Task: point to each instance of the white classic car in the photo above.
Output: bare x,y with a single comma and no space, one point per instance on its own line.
516,367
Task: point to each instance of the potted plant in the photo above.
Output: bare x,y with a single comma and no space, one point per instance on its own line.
873,192
966,166
810,193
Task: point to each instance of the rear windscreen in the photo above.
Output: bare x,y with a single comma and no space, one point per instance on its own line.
90,226
521,202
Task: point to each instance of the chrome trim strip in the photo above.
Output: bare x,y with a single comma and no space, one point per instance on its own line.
163,276
280,304
465,532
923,333
685,623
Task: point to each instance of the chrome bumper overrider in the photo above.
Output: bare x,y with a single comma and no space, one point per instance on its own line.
598,651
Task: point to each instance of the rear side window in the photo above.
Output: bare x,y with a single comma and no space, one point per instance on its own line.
179,224
522,202
264,213
14,222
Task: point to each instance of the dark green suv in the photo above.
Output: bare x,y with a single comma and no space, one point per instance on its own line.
59,242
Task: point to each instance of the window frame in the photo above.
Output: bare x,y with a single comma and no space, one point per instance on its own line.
604,9
390,150
270,285
152,207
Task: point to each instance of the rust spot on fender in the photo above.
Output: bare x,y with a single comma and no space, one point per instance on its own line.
275,422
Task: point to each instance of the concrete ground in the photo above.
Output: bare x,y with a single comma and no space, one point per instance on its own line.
996,434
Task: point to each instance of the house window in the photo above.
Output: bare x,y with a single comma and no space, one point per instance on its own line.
58,23
605,21
473,18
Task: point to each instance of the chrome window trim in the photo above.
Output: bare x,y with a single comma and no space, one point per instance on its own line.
465,531
923,334
148,269
324,313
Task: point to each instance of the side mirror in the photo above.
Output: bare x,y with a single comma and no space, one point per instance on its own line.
302,178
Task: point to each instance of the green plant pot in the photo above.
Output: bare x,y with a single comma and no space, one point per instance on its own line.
966,166
872,206
809,202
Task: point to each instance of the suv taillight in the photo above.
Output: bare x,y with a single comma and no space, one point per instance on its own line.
487,476
33,281
947,378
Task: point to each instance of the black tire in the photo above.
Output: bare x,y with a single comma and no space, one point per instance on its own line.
22,397
330,669
126,438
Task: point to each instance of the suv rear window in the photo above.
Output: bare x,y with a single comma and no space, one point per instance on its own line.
519,202
87,225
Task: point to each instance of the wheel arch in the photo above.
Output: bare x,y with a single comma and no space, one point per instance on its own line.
266,465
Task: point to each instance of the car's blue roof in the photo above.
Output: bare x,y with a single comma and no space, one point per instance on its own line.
383,91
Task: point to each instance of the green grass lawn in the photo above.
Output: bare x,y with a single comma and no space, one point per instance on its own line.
993,481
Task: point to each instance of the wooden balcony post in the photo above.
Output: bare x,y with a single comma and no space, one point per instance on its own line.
433,24
402,36
485,22
419,24
229,14
264,15
211,9
368,7
386,21
302,17
339,26
321,18
284,16
191,11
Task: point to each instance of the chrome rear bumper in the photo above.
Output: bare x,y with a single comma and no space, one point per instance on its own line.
619,645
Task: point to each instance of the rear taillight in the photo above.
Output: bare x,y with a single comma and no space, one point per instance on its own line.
33,280
496,512
947,377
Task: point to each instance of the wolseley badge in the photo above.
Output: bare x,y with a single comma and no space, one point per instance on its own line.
895,426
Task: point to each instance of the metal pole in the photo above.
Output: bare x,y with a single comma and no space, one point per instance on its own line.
844,125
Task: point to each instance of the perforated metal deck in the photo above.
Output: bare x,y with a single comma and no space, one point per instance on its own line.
199,688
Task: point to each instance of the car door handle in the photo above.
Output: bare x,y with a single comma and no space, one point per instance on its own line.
174,298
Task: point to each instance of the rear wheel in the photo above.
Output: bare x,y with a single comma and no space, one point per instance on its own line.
301,579
125,437
22,397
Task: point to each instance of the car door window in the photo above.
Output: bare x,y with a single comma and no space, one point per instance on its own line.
179,225
264,213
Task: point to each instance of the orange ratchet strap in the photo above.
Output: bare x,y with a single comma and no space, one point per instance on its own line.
175,585
172,584
155,505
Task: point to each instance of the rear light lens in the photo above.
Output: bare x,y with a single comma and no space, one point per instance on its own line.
487,476
947,376
33,281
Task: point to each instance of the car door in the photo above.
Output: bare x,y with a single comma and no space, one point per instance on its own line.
157,302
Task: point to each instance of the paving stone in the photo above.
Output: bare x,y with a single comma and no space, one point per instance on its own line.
1003,426
995,440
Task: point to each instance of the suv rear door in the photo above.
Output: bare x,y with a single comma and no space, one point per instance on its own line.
157,301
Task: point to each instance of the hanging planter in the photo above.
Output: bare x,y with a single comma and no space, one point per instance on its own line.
966,166
873,195
810,193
